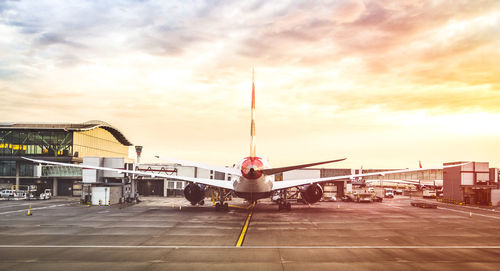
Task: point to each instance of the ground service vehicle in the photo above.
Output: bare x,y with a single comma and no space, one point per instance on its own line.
427,193
361,196
7,193
46,194
388,193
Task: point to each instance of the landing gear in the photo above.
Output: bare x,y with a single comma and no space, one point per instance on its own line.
201,202
222,205
283,203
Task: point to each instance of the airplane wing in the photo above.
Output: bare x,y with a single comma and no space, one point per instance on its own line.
292,183
228,170
394,181
211,182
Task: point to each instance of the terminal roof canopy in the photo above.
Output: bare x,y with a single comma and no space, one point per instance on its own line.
89,125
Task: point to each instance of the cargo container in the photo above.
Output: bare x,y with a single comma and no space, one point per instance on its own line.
106,195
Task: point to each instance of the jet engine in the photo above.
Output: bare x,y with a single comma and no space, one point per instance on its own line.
195,193
311,193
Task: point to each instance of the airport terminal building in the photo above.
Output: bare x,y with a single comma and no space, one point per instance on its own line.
61,142
72,142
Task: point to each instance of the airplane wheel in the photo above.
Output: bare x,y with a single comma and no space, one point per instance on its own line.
217,207
201,202
226,206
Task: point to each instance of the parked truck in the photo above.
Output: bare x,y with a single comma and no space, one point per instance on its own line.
429,193
363,196
388,193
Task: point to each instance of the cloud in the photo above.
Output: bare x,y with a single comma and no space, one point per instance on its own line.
166,41
47,39
364,44
348,11
176,76
6,73
434,100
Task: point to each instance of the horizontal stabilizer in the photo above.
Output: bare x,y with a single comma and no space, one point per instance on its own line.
271,171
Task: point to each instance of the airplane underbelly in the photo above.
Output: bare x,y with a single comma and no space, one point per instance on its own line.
260,185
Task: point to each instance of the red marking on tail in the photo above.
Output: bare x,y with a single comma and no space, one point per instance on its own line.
252,167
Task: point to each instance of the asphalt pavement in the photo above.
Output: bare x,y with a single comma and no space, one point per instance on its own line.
170,234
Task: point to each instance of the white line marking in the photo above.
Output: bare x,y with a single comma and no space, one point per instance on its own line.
393,206
252,247
37,208
14,205
466,212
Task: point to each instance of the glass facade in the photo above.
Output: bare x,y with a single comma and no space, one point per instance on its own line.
31,142
61,171
8,168
54,143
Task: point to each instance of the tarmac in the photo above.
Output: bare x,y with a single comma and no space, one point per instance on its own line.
170,234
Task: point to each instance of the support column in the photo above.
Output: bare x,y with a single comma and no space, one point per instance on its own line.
165,187
123,187
84,193
133,183
54,187
17,175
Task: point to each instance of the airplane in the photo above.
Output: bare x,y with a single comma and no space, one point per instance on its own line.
252,177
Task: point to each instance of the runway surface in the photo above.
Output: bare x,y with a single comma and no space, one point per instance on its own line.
168,233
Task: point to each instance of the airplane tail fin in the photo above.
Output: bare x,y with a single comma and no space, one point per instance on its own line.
252,124
420,163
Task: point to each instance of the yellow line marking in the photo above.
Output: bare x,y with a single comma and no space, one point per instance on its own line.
241,207
245,227
244,230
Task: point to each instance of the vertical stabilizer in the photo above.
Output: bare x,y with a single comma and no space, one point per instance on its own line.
252,124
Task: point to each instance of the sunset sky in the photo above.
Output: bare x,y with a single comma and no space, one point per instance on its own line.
383,83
